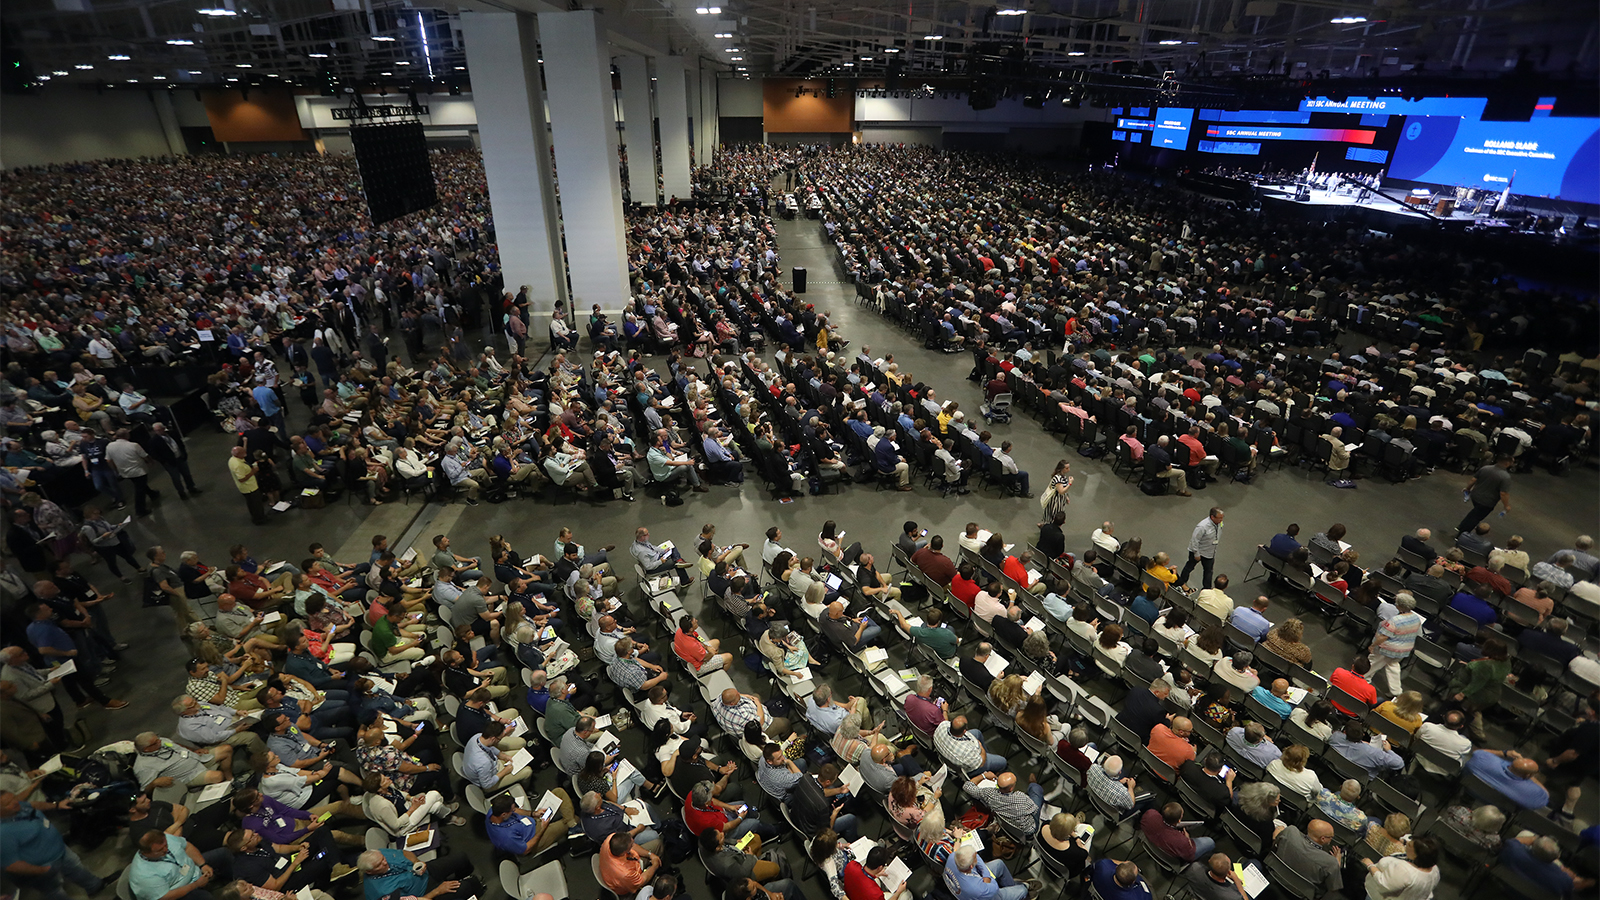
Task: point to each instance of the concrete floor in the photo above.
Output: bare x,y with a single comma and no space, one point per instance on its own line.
1549,511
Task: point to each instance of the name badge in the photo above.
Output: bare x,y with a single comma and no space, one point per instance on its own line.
281,863
280,822
221,720
526,820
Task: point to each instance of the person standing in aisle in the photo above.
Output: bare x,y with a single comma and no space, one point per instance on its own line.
1490,485
1203,547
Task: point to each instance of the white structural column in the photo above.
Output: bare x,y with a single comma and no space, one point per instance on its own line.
169,123
583,126
638,130
708,115
502,54
672,104
692,82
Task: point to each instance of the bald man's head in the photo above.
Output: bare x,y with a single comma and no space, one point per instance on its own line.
1320,831
1280,687
1524,768
1007,781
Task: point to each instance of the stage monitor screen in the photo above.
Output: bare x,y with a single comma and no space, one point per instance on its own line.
1172,128
1543,157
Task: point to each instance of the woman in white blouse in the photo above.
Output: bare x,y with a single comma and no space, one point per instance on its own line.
1237,671
1289,770
1318,719
1174,625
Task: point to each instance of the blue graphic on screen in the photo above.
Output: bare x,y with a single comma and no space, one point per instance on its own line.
1362,154
1135,124
1172,128
1550,157
1466,107
1234,148
1136,137
1119,135
1271,116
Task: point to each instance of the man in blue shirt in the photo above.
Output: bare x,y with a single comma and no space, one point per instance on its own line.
1284,545
968,877
1275,699
1470,601
486,765
167,864
886,459
1253,621
1510,773
1378,759
392,874
520,832
1118,880
272,411
35,853
1538,860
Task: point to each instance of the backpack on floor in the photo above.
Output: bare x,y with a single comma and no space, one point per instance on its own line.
676,843
1154,487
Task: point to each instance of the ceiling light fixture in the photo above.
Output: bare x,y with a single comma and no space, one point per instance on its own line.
1348,20
243,66
159,77
82,66
891,50
402,63
723,34
181,43
195,72
383,37
120,57
1010,12
42,77
1170,43
216,11
933,37
317,55
1075,53
849,65
708,10
734,58
461,68
58,72
133,81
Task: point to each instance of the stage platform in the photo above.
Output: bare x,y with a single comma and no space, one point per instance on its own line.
1377,209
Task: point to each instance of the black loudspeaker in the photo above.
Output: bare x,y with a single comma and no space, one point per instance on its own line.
395,172
798,275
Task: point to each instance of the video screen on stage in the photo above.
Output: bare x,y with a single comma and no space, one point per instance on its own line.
1543,157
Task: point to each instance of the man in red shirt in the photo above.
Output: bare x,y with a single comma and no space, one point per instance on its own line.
1353,681
965,585
1197,452
861,881
1016,569
701,655
933,563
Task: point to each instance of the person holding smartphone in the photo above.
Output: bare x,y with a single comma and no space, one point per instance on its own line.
522,832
